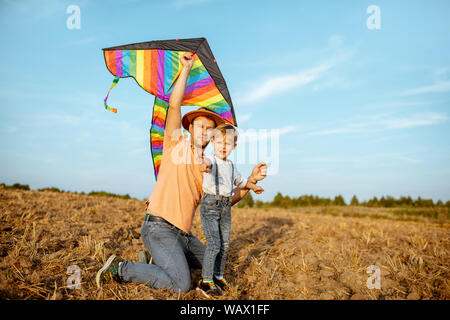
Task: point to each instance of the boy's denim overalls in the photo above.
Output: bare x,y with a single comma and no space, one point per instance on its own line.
215,214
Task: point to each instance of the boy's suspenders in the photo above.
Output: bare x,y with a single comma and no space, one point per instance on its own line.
217,178
232,178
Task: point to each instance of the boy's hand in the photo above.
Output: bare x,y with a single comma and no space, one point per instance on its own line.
206,165
259,171
187,60
258,189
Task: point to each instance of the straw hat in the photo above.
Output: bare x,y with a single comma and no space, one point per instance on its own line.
190,116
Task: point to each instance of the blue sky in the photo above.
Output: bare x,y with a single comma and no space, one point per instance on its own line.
359,111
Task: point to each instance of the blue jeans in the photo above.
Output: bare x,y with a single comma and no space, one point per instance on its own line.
174,253
216,223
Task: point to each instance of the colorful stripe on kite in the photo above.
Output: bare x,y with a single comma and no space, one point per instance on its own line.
157,132
156,70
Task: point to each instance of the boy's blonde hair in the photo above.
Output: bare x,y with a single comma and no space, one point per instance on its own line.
226,128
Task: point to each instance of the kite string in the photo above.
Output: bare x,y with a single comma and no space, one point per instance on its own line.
116,79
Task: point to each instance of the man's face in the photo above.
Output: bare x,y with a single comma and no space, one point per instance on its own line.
201,130
223,145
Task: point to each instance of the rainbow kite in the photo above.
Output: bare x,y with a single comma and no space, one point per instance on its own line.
155,66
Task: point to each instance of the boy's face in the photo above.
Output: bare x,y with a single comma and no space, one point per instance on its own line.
223,145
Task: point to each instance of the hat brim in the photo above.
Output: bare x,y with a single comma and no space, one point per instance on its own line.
190,116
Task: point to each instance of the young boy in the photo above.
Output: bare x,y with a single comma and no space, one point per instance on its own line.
215,210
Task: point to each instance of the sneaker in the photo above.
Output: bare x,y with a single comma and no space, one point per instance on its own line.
221,283
145,257
208,289
109,271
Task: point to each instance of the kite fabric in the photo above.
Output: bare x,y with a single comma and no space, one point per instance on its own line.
156,65
157,132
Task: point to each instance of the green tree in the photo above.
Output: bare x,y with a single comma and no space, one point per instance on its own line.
354,201
17,186
277,199
259,203
339,201
373,202
286,202
405,201
418,202
387,202
247,201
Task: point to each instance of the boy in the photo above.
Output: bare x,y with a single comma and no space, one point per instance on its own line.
215,210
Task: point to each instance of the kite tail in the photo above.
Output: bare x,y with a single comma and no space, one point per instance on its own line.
116,79
157,132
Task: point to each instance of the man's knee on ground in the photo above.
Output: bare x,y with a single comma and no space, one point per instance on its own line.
183,285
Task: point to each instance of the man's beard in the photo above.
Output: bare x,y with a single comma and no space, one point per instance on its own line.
201,144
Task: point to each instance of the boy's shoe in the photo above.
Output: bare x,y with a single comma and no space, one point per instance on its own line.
145,257
208,289
109,271
221,283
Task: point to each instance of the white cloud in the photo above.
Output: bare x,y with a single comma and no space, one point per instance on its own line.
335,41
244,118
378,159
287,129
252,135
281,84
395,104
383,123
414,121
276,85
441,73
443,86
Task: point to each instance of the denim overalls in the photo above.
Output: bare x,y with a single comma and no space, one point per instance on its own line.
215,214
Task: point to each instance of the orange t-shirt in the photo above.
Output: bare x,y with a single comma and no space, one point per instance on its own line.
178,189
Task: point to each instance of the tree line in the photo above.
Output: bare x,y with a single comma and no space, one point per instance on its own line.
18,186
311,200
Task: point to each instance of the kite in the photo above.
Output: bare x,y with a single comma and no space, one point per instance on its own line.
155,66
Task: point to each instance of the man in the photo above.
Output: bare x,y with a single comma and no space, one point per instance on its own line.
172,204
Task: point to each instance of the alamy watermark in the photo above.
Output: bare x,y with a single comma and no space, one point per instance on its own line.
373,22
73,22
374,281
74,281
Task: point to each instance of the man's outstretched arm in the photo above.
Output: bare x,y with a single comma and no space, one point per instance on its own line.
173,121
258,173
238,194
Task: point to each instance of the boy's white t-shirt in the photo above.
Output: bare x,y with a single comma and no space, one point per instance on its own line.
225,185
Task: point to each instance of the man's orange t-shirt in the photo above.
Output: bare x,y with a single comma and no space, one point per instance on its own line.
178,190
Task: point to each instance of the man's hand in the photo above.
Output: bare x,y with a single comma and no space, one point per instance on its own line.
257,189
187,60
259,172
